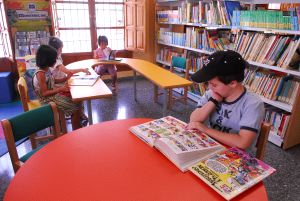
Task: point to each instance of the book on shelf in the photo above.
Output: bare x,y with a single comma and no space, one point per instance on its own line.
183,147
231,172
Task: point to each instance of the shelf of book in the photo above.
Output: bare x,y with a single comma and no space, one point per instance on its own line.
188,20
186,48
266,30
276,68
283,106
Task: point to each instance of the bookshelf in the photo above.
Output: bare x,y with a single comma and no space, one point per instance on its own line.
174,33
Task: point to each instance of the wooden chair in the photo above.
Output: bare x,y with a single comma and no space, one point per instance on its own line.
23,91
262,140
179,64
23,125
33,104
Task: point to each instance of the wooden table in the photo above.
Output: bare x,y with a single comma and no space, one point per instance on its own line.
160,77
88,93
106,162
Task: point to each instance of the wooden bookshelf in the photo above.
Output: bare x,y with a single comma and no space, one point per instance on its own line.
292,136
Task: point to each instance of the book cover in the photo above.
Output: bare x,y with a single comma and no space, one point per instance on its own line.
183,147
231,172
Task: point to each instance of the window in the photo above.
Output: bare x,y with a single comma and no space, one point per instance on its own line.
274,6
72,23
110,21
5,44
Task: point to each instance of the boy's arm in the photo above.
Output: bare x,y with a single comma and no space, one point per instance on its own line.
211,101
241,140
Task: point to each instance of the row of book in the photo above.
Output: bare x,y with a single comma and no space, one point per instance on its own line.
198,38
165,54
288,20
271,49
278,119
272,86
213,12
27,43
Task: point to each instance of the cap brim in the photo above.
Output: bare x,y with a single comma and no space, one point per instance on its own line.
202,75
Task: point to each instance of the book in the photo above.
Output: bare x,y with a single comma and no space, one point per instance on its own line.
231,172
83,80
183,147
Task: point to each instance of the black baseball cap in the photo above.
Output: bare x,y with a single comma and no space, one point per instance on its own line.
220,63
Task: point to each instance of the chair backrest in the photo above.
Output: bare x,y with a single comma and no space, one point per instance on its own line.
178,62
124,53
27,123
262,140
23,91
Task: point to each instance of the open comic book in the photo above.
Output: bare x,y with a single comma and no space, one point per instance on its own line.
183,147
231,172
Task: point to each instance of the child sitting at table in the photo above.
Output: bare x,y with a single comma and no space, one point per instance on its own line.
103,52
43,84
227,111
60,71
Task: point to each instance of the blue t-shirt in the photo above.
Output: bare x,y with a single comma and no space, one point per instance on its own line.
246,112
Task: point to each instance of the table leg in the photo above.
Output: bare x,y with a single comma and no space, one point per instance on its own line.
165,102
134,85
90,115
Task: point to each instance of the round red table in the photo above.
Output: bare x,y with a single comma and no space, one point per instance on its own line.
106,162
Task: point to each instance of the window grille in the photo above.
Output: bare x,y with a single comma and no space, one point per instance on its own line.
73,26
5,44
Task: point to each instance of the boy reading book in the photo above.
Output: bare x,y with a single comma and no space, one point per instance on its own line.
228,171
227,111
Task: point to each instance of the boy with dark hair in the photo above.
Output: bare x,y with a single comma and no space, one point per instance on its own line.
227,111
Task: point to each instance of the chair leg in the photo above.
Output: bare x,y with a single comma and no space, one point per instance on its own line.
33,141
62,121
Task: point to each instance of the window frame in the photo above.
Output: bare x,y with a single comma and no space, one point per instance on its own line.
92,19
4,33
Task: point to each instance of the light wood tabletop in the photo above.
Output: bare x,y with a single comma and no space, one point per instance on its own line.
88,93
159,76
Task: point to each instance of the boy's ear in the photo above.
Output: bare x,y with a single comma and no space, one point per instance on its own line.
233,83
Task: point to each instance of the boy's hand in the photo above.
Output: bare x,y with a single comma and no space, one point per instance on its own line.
216,96
197,125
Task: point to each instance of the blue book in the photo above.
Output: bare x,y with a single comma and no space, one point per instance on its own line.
230,7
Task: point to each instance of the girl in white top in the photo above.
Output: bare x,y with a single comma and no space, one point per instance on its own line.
43,83
60,71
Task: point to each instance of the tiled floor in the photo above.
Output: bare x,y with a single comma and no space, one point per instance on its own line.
284,185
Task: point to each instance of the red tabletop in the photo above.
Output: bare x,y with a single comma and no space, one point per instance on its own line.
106,162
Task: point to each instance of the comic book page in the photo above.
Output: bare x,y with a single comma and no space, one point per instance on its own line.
169,135
231,172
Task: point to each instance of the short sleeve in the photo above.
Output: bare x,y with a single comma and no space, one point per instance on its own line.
204,99
252,115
